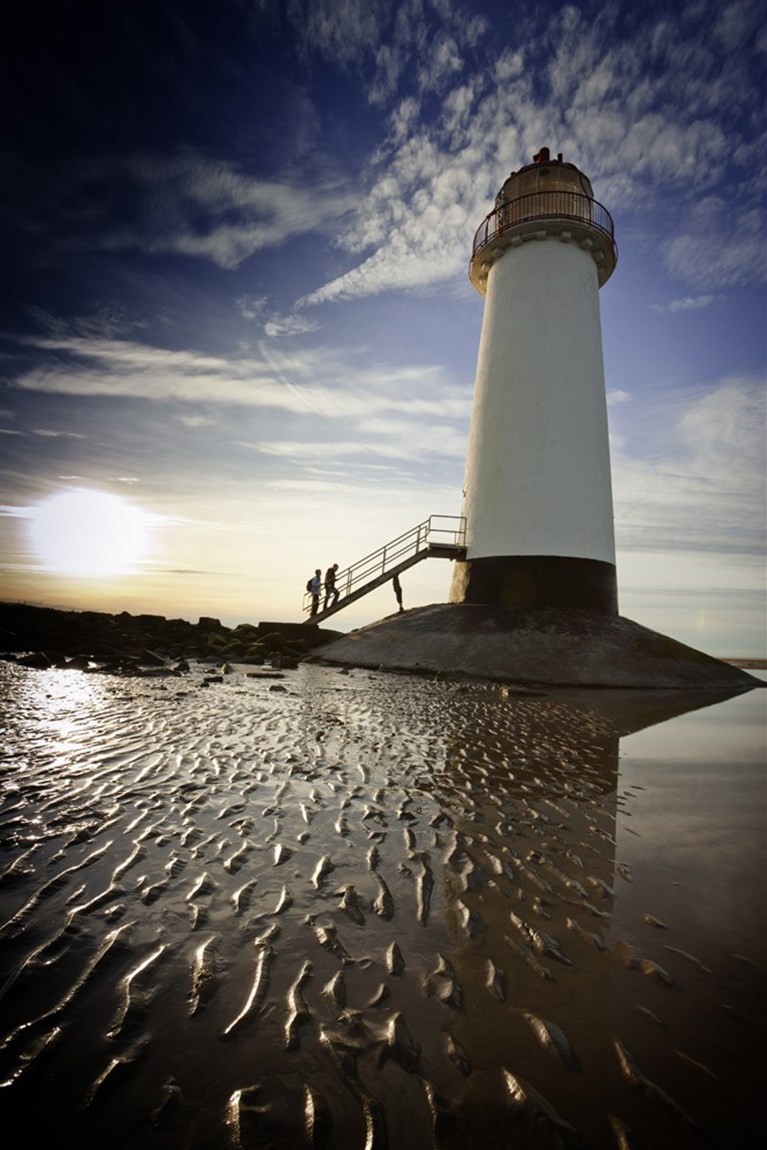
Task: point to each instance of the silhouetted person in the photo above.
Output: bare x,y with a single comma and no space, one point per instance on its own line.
331,591
316,588
397,590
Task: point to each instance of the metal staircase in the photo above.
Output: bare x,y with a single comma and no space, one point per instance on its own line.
439,536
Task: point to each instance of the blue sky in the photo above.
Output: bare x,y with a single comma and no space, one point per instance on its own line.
235,291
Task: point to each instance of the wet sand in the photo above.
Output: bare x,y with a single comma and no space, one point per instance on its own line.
356,909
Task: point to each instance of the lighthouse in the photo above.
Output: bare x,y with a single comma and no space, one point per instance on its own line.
537,494
533,595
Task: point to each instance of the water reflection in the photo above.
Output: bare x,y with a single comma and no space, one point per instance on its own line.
609,966
372,910
63,707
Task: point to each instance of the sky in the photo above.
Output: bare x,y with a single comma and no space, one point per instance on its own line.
237,333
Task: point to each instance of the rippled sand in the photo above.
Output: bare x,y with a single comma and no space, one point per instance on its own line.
348,910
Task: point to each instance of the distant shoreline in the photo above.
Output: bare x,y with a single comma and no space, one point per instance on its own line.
747,664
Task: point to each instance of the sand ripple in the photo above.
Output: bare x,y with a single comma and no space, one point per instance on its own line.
364,911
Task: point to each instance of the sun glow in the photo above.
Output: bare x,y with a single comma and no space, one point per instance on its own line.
89,533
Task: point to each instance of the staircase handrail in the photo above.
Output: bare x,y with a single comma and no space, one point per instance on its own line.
418,539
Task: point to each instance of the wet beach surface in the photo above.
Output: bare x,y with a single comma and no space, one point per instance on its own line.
358,909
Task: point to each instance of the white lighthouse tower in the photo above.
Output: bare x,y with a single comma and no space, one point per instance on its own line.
534,595
537,493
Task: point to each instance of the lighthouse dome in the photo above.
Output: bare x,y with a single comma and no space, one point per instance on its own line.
545,175
545,199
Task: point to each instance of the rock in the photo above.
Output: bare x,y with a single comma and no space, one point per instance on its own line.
125,644
207,624
252,660
77,663
35,659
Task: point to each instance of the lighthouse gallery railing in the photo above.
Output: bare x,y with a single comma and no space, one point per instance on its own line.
543,206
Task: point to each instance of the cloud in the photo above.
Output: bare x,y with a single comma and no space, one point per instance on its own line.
310,486
275,324
733,258
182,204
386,440
251,307
44,433
320,415
326,382
443,64
657,110
386,43
342,31
285,325
703,488
337,450
212,209
195,420
689,303
417,218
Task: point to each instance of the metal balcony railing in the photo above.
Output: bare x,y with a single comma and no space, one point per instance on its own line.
439,535
543,206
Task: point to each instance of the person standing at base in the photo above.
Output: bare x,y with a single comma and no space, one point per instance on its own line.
331,591
315,587
397,591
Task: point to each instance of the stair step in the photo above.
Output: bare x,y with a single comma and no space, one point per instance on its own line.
401,553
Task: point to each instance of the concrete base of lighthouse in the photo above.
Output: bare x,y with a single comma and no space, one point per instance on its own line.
536,581
542,646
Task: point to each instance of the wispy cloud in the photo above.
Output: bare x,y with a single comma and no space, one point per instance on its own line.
214,210
275,325
663,110
183,204
385,441
252,307
615,396
288,325
104,321
335,384
191,420
662,105
735,258
44,433
688,303
386,42
704,487
336,450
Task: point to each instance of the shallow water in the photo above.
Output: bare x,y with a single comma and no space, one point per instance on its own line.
367,910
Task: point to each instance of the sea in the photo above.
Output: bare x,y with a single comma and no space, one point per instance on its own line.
342,908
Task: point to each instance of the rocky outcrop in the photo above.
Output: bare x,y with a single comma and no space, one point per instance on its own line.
43,637
549,647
